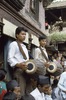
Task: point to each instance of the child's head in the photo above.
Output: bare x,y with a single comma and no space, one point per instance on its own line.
12,86
2,74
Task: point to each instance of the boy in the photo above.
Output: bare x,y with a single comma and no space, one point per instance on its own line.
13,90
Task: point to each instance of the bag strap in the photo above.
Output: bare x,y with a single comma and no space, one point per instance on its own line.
21,50
43,54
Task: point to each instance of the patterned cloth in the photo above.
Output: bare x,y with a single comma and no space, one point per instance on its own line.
3,89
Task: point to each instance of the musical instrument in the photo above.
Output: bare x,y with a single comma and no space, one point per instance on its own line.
31,67
52,68
38,66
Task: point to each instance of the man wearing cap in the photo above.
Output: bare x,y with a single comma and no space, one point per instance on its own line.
17,56
39,57
38,93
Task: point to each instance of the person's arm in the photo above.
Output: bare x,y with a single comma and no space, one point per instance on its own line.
22,65
37,51
11,55
13,62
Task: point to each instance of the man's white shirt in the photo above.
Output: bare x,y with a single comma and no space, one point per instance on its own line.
38,54
14,54
48,97
37,95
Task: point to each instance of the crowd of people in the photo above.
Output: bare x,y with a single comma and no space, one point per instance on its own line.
40,85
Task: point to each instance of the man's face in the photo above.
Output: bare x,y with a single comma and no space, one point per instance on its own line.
21,36
17,91
47,89
43,42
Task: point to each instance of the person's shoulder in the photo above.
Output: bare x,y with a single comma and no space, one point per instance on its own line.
35,92
9,96
63,74
23,44
27,97
37,49
13,43
3,84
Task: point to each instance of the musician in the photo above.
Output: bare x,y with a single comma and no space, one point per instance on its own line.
17,59
39,56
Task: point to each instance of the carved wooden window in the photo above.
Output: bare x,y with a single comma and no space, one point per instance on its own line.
34,9
32,5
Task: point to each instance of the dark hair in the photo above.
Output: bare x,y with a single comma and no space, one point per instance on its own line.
27,97
2,74
42,37
11,85
19,29
55,82
9,96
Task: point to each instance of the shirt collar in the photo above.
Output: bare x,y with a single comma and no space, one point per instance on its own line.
43,48
38,92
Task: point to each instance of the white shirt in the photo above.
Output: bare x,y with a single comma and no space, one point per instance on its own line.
14,54
48,97
56,93
62,84
39,56
37,95
40,60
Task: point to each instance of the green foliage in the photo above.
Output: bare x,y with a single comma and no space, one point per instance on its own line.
58,36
